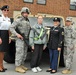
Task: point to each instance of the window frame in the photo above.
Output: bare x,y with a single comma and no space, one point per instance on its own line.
71,8
25,1
72,4
42,3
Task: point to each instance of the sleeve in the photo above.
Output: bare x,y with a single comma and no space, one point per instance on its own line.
13,27
73,33
61,37
31,38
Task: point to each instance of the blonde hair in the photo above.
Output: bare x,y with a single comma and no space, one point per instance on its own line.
39,16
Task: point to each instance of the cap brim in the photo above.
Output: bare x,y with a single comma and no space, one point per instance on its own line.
56,20
68,20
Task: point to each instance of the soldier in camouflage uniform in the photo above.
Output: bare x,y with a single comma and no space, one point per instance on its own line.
23,26
69,38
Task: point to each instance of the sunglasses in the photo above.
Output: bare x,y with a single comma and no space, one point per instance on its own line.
6,10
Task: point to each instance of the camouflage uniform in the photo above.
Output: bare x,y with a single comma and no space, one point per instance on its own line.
21,48
69,38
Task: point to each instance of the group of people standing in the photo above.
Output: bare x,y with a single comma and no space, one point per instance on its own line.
37,37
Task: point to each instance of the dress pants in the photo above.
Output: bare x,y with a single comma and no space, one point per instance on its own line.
53,58
36,55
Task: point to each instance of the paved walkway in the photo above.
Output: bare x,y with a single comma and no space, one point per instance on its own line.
44,66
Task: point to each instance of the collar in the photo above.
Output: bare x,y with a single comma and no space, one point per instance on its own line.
69,26
55,26
39,25
25,18
4,16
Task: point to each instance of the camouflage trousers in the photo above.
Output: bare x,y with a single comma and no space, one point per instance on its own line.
21,52
68,56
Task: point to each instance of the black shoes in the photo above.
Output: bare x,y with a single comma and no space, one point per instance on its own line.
5,69
48,70
53,71
2,70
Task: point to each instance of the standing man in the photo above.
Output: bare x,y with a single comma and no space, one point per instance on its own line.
38,42
69,38
19,27
55,44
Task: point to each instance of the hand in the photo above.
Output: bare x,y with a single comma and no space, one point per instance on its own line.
32,48
19,36
44,47
9,41
59,49
0,41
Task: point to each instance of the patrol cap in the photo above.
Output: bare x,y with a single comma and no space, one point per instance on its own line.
25,9
69,19
56,19
5,7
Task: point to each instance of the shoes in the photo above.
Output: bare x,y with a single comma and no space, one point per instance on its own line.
2,70
34,70
53,71
49,70
66,72
5,69
19,69
39,69
23,67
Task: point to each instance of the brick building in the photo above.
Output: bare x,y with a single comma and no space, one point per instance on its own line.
52,7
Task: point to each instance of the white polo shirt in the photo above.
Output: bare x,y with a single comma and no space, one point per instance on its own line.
4,23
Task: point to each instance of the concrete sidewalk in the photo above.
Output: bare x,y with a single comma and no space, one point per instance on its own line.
44,66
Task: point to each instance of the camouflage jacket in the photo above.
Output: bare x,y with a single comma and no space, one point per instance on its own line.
69,35
23,26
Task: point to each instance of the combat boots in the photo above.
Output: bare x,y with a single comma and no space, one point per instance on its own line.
66,72
19,69
23,67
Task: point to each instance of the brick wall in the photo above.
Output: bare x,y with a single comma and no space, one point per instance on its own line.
53,7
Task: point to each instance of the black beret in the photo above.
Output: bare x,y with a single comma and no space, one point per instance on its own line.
56,19
5,7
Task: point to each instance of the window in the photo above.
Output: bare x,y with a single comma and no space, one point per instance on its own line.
73,4
28,1
41,2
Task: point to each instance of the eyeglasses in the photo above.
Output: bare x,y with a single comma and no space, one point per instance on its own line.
6,10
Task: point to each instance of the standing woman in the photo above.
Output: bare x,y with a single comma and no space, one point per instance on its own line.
38,43
4,34
55,44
